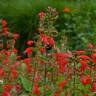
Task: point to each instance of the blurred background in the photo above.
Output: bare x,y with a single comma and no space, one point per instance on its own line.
79,27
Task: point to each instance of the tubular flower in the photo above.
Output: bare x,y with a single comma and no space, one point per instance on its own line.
30,43
14,74
4,23
84,57
84,65
94,58
8,87
86,80
36,90
42,16
5,93
94,87
28,51
67,10
63,84
2,73
47,40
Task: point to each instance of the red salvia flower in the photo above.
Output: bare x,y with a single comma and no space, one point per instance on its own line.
6,93
14,74
63,84
5,30
16,36
86,80
84,57
94,58
18,88
4,23
84,65
67,10
94,87
47,40
42,16
42,50
30,43
28,60
28,51
2,73
90,46
80,52
36,90
8,87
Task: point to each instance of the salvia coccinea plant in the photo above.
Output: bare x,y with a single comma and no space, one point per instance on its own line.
43,69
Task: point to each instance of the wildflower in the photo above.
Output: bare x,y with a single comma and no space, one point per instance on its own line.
28,51
30,43
80,52
2,73
47,40
84,65
86,80
6,93
14,74
36,90
67,10
90,46
42,50
42,16
18,88
27,60
94,87
94,58
63,84
5,30
4,23
16,36
8,87
84,57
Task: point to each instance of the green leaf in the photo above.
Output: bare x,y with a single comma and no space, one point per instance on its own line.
43,57
26,84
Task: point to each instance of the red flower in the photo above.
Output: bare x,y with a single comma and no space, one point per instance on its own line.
42,16
90,46
63,84
67,10
28,51
47,40
4,23
30,43
8,87
86,80
14,50
94,58
14,74
2,73
29,68
84,65
8,53
5,93
5,30
42,50
80,52
94,87
57,94
28,60
18,88
86,95
16,36
36,90
84,57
